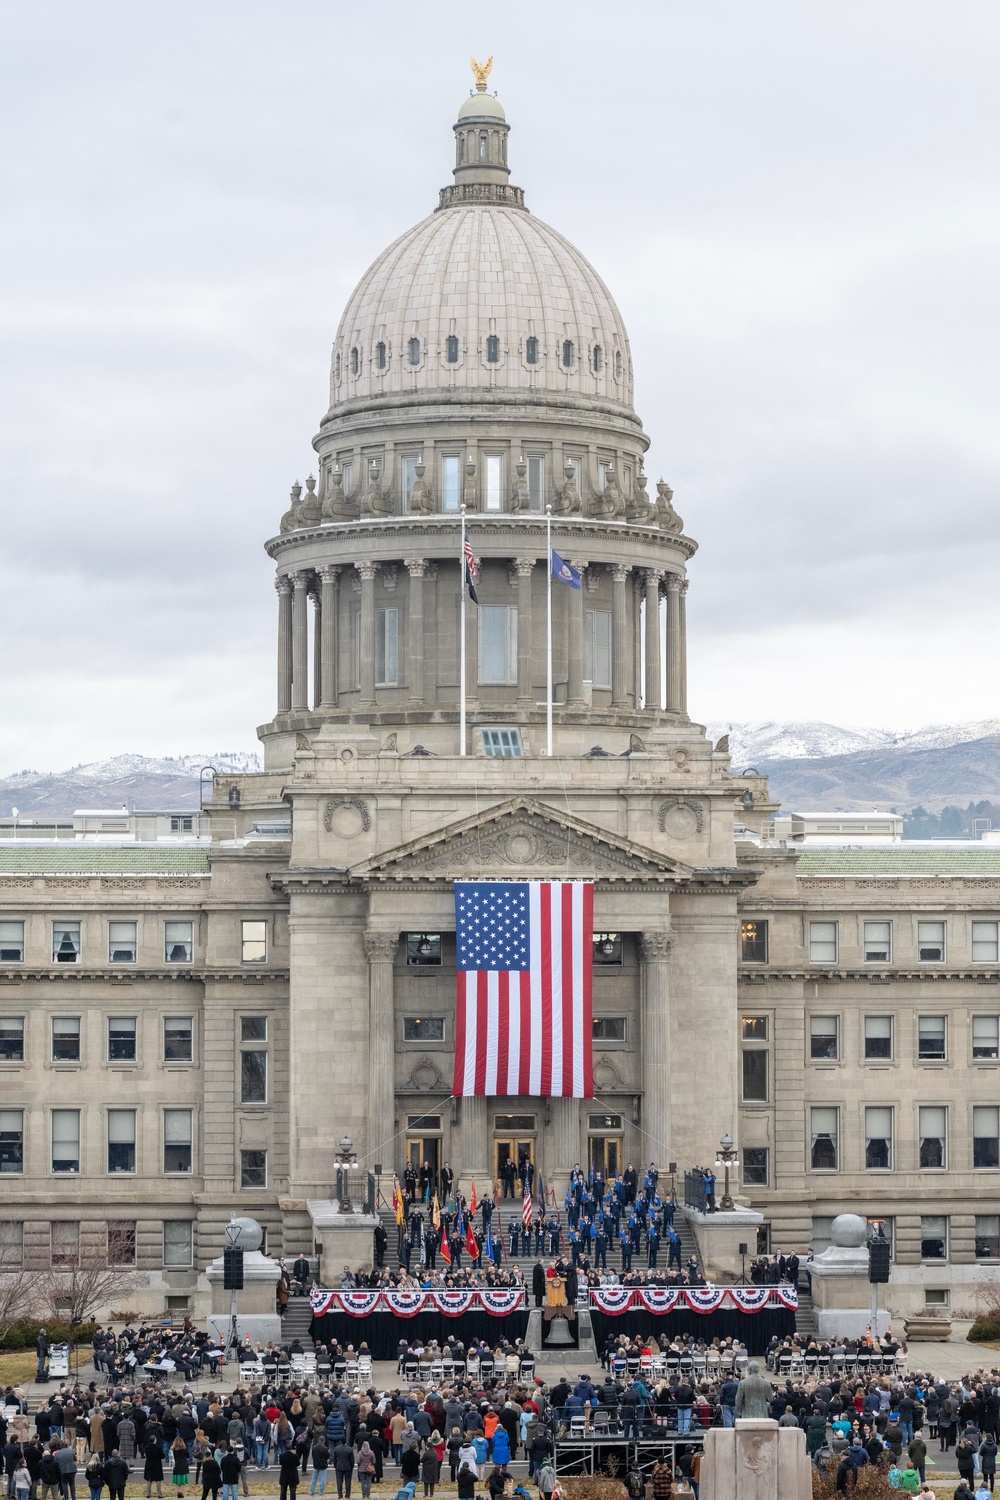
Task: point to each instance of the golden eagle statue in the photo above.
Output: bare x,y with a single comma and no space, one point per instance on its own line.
481,71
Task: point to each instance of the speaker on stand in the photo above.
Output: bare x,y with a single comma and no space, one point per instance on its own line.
741,1280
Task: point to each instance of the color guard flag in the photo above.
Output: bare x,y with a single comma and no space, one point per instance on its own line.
526,1210
445,1249
472,1200
471,1243
397,1200
524,1003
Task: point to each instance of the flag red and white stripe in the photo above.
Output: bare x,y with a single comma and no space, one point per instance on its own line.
524,1003
526,1209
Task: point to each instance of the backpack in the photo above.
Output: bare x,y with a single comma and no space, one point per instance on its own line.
635,1483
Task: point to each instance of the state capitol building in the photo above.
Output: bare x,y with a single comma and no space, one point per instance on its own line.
196,1008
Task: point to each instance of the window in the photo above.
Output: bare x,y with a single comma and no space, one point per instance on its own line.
985,1036
65,1140
121,1242
121,1039
597,647
380,355
178,1032
823,942
755,1075
178,942
878,1138
930,942
824,1039
933,1237
423,1122
755,1166
181,824
176,1140
608,948
11,1141
423,949
567,353
753,942
494,481
536,482
253,1028
753,1028
423,1028
11,1244
177,1242
937,1297
933,1134
531,351
878,942
65,1038
987,1237
121,942
823,1128
483,144
501,744
986,1135
492,350
497,643
347,475
386,647
121,1140
596,359
931,1038
609,1028
414,351
451,349
604,1122
254,942
618,364
878,1037
452,481
253,1169
65,1243
409,476
11,942
11,1039
65,942
513,1122
985,943
253,1077
355,361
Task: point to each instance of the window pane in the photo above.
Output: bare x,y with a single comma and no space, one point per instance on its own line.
930,941
387,648
536,481
121,1039
597,647
931,1036
987,1237
177,1039
11,942
11,1141
933,1131
423,1028
878,1137
122,942
66,1039
12,1038
753,942
452,482
933,1237
176,1140
65,942
986,1036
502,743
986,1135
878,942
494,481
65,1235
121,1242
754,1028
823,1036
121,1140
65,1140
254,942
755,1166
755,1075
177,1242
984,942
253,1077
253,1028
609,1028
177,942
823,942
497,644
823,1123
253,1169
423,949
878,1036
11,1244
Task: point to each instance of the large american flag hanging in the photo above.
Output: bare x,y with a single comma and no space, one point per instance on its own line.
524,1006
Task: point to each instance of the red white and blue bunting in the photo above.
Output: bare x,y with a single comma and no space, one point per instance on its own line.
406,1302
701,1299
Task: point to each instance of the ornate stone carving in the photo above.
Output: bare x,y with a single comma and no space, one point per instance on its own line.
290,519
566,500
606,1075
283,584
654,947
470,490
523,566
380,947
346,817
722,746
639,508
609,502
309,511
520,498
680,817
329,573
425,1076
375,501
366,569
524,844
666,515
421,499
415,566
336,506
388,571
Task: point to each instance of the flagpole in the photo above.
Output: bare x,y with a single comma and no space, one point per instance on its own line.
461,649
548,636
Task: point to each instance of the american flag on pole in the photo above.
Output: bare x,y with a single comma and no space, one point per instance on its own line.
524,1004
526,1209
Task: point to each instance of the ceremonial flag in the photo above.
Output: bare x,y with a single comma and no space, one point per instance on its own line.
470,570
436,1213
526,1209
523,1015
563,572
471,1243
445,1250
472,1201
397,1200
488,1242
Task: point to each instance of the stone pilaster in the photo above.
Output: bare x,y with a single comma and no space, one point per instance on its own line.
674,669
654,957
283,584
619,637
417,568
477,1150
574,643
317,600
300,640
684,647
366,571
525,693
329,584
380,948
652,581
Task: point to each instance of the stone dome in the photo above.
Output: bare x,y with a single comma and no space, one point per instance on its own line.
481,296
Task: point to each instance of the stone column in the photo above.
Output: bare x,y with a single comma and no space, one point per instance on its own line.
367,573
565,1137
652,580
654,958
476,1151
328,652
315,596
283,584
674,673
300,640
574,643
416,567
380,947
525,642
684,648
619,637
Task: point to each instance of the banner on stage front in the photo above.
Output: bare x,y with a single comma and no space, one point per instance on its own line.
524,988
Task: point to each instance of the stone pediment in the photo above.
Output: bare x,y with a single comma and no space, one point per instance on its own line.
523,838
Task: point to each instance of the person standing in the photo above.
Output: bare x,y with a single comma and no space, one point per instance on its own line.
152,1469
366,1469
116,1476
182,1465
42,1356
288,1474
343,1467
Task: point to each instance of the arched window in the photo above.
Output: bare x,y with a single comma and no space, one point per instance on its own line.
493,349
414,351
567,353
596,359
380,355
531,351
355,360
484,143
618,364
452,349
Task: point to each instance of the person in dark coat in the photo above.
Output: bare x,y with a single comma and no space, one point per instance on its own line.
538,1283
430,1468
211,1478
116,1476
288,1474
343,1467
152,1469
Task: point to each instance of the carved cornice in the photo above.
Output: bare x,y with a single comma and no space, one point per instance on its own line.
174,974
752,975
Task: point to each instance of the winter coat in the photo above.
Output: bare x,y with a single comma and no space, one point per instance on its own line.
429,1466
230,1465
115,1473
152,1469
126,1438
288,1468
501,1447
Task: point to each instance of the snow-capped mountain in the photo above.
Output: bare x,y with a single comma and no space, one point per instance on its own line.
168,782
809,740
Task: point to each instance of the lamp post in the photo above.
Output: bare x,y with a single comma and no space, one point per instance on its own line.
728,1157
347,1161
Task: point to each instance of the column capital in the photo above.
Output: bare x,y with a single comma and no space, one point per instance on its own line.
652,576
415,566
654,947
283,583
579,564
329,573
523,566
367,570
380,947
619,572
684,585
303,578
674,581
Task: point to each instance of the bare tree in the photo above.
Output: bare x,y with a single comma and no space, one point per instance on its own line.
19,1296
90,1278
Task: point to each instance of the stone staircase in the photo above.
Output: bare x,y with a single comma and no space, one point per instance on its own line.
805,1317
295,1322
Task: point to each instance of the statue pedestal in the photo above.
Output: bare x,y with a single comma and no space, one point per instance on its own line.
256,1313
841,1291
346,1238
755,1460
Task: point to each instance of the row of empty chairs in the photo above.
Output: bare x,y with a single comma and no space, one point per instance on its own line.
855,1363
706,1364
421,1372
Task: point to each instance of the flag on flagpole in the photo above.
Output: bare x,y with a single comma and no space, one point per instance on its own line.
472,1200
488,1243
436,1213
471,1243
541,1195
397,1200
524,1004
562,572
470,571
526,1209
445,1250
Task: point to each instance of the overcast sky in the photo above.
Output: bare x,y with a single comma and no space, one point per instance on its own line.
795,205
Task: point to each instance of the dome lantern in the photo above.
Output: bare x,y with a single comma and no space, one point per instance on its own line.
481,172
